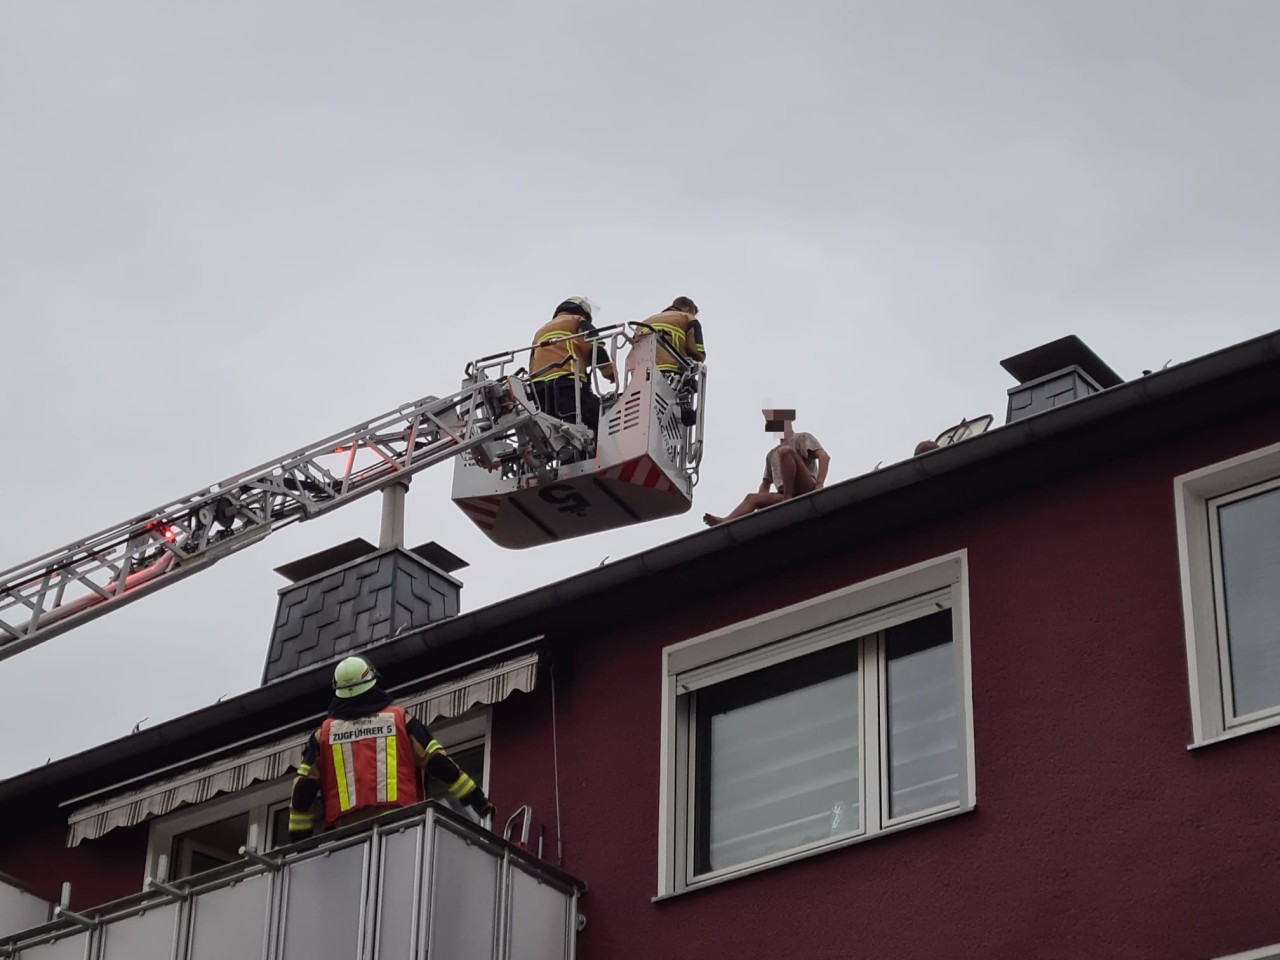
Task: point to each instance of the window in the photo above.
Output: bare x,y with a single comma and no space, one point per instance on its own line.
821,725
1262,953
209,846
207,835
1229,535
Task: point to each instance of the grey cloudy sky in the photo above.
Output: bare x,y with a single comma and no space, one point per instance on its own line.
228,229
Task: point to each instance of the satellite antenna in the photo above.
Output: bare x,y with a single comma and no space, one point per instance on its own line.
965,429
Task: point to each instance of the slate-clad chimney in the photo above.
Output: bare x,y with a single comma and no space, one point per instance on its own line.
1053,374
354,594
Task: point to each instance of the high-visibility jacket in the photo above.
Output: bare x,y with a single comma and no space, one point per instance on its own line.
684,333
313,783
555,355
367,762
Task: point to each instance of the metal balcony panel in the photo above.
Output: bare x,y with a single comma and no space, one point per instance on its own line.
231,921
325,895
421,881
464,898
400,892
70,948
540,919
149,935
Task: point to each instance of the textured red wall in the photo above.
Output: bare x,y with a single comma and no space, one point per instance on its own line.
1097,833
99,870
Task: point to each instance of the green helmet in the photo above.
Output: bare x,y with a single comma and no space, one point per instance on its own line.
354,676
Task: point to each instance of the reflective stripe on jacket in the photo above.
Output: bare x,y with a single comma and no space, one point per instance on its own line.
684,333
365,763
556,356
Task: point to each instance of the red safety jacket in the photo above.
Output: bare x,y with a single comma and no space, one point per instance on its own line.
367,762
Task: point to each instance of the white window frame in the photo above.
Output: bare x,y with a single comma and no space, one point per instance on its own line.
1262,953
1196,497
261,800
855,614
255,801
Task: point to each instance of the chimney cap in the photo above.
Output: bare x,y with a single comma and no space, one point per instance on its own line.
1068,351
439,557
329,559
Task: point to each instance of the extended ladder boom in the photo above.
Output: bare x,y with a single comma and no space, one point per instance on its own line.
87,578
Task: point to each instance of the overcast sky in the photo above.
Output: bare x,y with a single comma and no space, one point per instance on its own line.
229,229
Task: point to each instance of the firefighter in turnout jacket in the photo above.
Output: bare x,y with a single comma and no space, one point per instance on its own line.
368,758
559,362
680,325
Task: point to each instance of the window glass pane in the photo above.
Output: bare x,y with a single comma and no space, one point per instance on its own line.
210,846
778,759
1249,537
924,717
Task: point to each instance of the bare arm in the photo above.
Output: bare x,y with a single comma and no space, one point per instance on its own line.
824,461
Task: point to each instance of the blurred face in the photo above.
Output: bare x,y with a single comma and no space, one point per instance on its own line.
778,421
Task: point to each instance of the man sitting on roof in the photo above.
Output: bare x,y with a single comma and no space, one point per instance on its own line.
796,466
368,758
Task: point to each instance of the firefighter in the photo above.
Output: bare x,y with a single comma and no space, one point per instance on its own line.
679,323
368,758
559,363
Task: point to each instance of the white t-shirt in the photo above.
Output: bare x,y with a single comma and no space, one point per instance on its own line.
805,444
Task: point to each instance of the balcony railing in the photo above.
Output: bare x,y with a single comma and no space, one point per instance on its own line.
419,883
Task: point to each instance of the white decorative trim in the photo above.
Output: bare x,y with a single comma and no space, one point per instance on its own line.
805,853
1193,493
1262,953
840,616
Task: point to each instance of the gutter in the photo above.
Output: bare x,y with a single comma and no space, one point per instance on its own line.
196,729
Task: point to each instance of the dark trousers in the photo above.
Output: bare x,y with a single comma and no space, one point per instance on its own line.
556,398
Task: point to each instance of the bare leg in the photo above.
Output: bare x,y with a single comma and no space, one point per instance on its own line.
750,503
796,478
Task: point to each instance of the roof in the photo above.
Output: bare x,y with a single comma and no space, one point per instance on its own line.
1018,456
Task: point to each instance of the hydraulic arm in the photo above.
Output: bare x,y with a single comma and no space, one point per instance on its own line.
493,419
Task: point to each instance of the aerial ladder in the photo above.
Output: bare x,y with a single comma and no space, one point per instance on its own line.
523,477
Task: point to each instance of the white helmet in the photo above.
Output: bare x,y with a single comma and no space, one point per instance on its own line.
354,676
582,302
